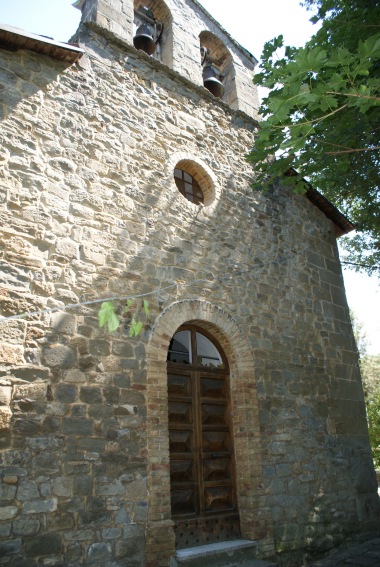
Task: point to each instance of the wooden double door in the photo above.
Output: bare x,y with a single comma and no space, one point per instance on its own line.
202,471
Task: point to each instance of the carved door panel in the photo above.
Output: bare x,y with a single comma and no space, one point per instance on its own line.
203,496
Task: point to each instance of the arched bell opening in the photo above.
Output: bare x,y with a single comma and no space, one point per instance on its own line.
153,30
217,67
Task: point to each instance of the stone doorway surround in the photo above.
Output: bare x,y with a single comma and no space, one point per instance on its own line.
255,517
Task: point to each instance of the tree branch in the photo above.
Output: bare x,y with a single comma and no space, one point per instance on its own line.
311,121
354,95
368,266
352,151
335,145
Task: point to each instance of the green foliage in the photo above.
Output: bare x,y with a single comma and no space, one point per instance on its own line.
146,307
373,414
370,368
135,328
370,371
359,334
322,116
108,317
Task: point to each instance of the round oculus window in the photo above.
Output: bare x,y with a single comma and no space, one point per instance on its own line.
188,187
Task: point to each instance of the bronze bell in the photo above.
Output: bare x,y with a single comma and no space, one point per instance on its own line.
211,82
144,39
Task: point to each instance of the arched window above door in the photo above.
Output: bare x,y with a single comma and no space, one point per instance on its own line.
190,346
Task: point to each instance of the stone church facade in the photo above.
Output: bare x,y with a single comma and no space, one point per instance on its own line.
237,414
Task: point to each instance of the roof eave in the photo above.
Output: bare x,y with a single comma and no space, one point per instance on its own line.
13,39
341,223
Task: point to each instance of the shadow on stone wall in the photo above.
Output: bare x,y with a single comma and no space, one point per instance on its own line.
25,75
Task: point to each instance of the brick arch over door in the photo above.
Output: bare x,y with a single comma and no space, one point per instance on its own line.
255,519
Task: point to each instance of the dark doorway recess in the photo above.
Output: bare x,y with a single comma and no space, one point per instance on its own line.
202,470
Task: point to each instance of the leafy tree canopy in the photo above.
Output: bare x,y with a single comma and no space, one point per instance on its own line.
373,415
322,116
370,371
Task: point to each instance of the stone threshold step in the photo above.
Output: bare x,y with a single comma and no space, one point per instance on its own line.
212,549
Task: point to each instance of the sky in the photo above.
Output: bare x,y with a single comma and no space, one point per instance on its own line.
251,23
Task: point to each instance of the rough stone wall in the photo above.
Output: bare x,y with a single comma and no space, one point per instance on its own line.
113,15
89,209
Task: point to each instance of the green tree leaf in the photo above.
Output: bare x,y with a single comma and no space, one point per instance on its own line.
146,307
135,327
322,116
108,317
105,311
113,323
